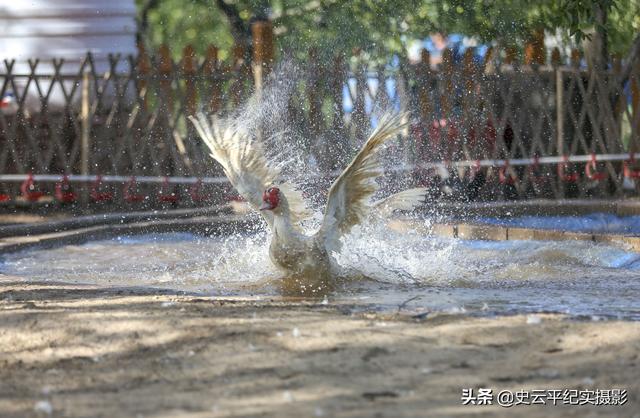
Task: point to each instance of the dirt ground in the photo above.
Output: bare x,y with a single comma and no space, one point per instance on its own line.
69,351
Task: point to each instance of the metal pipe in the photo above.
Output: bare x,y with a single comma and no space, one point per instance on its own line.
223,180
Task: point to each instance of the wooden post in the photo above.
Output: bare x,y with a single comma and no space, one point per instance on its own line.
511,56
535,53
634,119
447,74
166,69
239,68
263,51
212,72
469,120
575,58
488,66
189,71
85,149
469,71
555,57
559,109
448,93
144,67
424,74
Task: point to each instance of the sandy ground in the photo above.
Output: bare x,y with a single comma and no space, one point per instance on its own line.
70,351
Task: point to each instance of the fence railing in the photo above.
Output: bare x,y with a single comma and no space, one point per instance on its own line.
131,120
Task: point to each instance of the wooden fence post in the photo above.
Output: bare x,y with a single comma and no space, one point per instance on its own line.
211,71
634,118
448,91
424,75
263,51
469,115
143,67
85,149
425,106
165,70
555,61
575,58
189,71
446,104
534,52
511,56
488,63
555,57
239,68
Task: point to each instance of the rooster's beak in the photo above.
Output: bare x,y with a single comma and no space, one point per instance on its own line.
266,206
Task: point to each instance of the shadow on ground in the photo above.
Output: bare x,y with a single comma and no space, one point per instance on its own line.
87,351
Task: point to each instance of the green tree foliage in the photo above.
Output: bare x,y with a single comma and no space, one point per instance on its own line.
377,27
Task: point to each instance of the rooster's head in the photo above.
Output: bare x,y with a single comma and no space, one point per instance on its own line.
270,198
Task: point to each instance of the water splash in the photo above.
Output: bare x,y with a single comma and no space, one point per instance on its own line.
382,267
269,117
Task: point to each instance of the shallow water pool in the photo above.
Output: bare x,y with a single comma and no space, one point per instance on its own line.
405,271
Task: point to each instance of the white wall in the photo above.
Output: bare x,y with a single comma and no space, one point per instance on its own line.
48,29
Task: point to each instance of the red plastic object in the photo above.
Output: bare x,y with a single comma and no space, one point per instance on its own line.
166,194
63,191
533,171
4,197
129,191
194,192
589,170
627,171
503,176
28,190
567,178
97,195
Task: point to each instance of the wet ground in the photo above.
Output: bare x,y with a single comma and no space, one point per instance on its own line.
86,351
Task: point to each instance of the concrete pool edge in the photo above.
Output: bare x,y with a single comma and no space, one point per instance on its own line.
539,207
487,232
212,225
60,225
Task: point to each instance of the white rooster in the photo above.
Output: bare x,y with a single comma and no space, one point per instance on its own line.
282,205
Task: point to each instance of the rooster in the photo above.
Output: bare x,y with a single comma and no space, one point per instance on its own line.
281,203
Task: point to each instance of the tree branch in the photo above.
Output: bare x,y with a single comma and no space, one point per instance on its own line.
143,20
239,29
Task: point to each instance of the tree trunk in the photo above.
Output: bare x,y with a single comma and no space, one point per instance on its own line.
596,49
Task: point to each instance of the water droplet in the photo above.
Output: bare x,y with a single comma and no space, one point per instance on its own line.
43,407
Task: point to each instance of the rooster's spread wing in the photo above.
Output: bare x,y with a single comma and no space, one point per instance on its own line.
246,167
405,200
349,196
